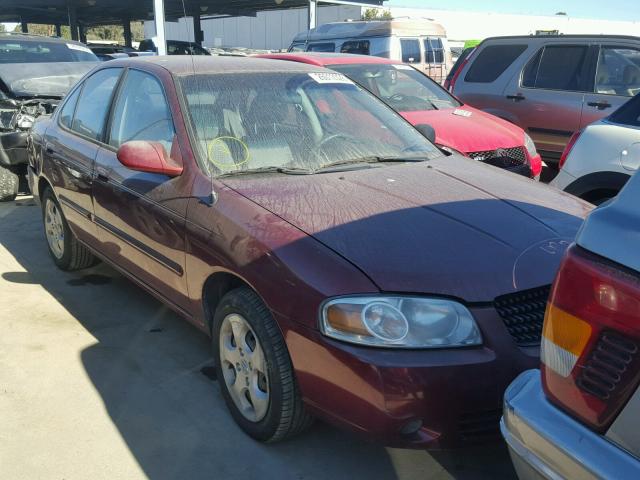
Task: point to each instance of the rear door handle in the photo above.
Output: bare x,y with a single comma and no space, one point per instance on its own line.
102,177
516,98
50,151
599,105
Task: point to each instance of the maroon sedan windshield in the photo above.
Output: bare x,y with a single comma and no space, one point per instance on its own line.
294,121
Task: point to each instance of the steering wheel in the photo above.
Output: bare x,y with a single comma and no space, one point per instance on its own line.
333,137
397,97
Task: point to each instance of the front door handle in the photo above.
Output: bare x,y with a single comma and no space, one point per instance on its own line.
516,98
102,177
50,151
599,105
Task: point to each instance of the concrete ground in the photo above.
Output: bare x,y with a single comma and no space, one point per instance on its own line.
99,380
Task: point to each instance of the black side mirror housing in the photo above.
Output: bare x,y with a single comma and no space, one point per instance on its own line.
427,131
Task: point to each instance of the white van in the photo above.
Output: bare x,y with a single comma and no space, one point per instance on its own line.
421,43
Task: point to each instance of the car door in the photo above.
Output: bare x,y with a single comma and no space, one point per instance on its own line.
141,215
617,80
71,147
547,100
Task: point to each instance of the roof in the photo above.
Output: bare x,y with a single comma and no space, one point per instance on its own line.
328,58
375,28
104,12
561,37
201,64
25,37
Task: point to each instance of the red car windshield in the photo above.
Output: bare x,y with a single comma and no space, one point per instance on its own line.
400,86
293,121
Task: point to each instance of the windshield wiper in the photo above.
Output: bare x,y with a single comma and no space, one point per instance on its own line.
370,159
285,170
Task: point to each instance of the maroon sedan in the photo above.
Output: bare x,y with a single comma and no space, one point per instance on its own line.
344,267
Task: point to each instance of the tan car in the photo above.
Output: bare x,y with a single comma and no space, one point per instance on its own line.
552,86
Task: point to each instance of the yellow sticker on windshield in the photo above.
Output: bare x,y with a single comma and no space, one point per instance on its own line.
228,152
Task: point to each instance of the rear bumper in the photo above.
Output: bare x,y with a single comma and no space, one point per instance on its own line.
13,149
545,443
562,180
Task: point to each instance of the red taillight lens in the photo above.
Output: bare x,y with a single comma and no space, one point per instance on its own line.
568,148
450,85
591,338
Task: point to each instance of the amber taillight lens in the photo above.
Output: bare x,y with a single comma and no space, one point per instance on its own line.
591,338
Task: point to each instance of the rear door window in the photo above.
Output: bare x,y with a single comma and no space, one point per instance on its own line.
492,61
358,47
618,71
557,67
433,50
91,112
321,47
410,50
628,114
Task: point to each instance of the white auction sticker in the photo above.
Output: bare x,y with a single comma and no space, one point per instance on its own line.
330,77
400,66
462,113
81,48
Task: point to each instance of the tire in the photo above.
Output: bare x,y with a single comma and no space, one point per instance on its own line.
9,182
68,254
284,416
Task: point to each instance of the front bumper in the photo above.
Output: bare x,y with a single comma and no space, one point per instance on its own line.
455,393
13,149
545,443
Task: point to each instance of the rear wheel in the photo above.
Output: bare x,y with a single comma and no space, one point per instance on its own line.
67,253
9,183
254,369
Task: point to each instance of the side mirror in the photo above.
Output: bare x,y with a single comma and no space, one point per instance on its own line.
427,131
149,157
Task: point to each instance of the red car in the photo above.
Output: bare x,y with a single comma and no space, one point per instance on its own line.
420,100
344,267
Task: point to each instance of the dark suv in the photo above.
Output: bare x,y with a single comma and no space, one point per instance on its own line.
35,73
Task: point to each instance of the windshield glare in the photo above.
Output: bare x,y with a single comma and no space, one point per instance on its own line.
402,87
34,51
293,121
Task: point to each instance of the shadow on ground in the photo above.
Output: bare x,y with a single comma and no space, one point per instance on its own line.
150,368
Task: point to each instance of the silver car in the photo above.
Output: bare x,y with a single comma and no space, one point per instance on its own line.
579,415
551,86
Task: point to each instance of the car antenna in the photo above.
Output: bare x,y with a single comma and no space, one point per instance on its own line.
211,198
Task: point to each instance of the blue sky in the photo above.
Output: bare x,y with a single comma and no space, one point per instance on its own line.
609,10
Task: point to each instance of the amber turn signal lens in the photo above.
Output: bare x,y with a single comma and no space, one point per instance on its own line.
347,318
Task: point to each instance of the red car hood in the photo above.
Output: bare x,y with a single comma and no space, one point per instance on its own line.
478,132
450,226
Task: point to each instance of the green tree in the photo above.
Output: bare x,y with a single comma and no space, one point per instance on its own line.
376,14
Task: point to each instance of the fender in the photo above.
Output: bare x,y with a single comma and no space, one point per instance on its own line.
509,117
589,184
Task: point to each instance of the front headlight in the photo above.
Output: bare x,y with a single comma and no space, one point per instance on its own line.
400,322
530,146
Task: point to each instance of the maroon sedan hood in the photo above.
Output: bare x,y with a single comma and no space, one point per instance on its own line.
449,226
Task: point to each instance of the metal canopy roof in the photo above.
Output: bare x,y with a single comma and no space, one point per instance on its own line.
103,12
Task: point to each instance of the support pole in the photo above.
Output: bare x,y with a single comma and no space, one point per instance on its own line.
83,33
58,30
73,21
25,27
158,15
126,27
197,27
313,12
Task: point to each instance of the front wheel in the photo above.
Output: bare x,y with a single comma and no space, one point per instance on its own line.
254,369
67,253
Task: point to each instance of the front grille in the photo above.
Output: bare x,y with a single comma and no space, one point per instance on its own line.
502,157
607,364
480,426
523,314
